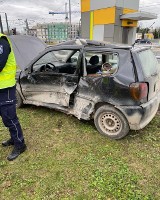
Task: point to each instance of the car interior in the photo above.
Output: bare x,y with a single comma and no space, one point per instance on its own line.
63,61
95,63
68,61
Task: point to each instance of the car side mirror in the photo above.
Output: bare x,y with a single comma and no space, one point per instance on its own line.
31,79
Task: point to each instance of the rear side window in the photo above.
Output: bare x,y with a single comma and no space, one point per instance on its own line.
149,62
104,63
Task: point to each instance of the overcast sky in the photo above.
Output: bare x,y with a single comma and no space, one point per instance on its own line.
38,11
152,6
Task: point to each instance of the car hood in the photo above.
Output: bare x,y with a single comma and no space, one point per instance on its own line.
26,48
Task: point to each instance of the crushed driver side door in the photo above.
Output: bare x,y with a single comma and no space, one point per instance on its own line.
53,86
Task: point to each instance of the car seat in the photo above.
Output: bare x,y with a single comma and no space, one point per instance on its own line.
94,60
93,67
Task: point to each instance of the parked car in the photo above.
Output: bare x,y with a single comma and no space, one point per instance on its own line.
68,77
158,58
143,41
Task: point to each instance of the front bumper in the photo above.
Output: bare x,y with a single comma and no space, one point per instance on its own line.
139,116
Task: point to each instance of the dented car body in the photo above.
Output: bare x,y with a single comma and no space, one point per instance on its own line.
70,77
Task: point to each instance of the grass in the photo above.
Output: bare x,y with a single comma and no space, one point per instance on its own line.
68,160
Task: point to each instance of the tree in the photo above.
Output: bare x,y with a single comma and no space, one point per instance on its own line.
158,32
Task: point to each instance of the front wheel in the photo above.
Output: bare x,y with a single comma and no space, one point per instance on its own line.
111,122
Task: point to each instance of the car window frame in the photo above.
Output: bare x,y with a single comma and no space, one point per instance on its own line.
49,49
99,50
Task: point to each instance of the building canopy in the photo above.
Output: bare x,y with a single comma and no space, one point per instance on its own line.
139,16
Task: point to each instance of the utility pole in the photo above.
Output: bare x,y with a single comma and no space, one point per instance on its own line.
27,27
66,18
1,24
70,23
79,34
66,21
7,24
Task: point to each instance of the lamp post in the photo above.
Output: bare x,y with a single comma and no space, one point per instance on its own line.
79,28
7,24
70,23
1,25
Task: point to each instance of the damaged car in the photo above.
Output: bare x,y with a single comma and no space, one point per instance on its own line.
117,86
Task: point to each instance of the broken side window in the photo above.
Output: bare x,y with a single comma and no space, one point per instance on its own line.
59,61
105,63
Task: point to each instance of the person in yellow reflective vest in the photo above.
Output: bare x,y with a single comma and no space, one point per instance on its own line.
8,98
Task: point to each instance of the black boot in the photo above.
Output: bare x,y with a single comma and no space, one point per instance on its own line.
8,143
16,152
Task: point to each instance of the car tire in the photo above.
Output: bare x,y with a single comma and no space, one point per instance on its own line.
19,101
110,122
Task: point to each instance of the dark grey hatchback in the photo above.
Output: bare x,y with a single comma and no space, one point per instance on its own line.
117,86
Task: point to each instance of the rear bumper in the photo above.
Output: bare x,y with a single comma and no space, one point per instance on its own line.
139,116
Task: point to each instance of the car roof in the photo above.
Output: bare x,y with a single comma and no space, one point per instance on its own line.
81,43
94,43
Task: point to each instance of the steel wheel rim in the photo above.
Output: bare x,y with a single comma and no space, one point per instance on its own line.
110,123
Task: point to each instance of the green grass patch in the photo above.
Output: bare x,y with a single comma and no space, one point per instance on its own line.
68,159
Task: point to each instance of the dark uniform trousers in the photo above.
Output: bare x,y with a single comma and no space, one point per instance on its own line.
9,116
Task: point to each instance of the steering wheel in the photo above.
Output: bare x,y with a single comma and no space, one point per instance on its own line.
48,67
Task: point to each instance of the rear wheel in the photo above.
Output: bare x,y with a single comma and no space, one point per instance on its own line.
111,122
19,101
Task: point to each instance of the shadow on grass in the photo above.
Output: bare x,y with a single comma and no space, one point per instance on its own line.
132,135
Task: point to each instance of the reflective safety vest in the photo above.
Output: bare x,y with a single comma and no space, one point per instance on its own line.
7,75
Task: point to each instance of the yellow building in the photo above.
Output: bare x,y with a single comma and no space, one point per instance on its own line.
111,20
149,36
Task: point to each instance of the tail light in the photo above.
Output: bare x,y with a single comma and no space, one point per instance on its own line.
138,91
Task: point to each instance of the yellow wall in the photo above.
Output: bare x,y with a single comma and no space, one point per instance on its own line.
85,5
127,10
105,16
129,23
149,35
91,25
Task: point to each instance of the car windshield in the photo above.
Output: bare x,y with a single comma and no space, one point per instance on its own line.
47,57
149,63
62,55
